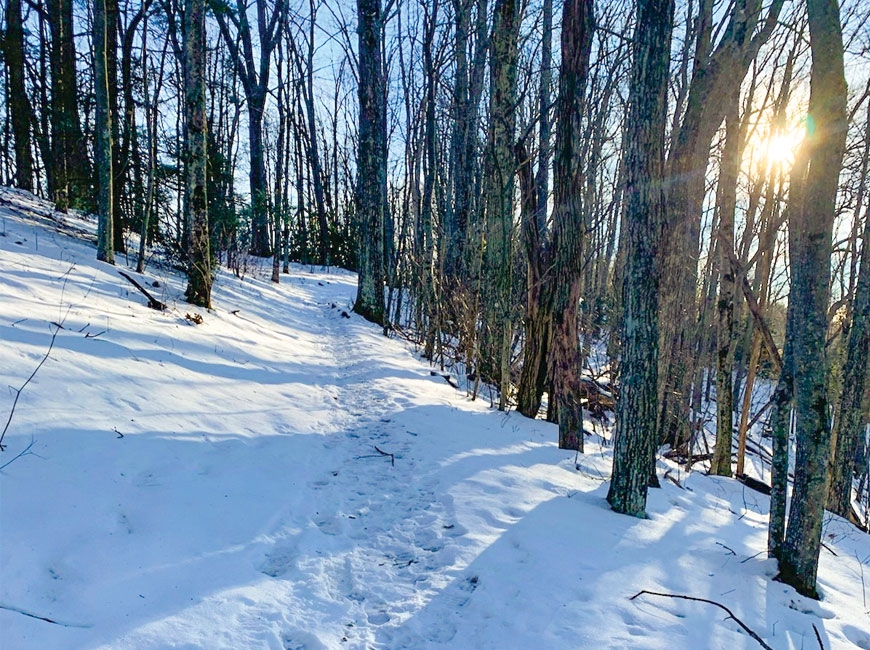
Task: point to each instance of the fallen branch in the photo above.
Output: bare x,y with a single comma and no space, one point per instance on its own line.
152,301
24,452
727,548
681,456
818,637
668,476
445,377
863,587
24,385
383,453
709,602
751,557
754,484
40,618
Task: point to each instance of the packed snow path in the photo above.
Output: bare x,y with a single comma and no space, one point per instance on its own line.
221,486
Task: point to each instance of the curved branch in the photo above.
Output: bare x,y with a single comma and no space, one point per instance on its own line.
746,629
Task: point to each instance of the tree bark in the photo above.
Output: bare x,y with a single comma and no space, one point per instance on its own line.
634,444
70,168
499,173
812,219
119,166
849,425
371,162
260,242
534,197
542,178
103,136
569,222
198,254
18,102
538,314
725,305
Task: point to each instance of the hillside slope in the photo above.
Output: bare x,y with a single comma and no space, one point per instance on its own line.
283,476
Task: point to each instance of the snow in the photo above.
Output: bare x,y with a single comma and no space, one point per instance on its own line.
284,477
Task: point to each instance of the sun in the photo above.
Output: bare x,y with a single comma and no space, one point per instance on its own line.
779,149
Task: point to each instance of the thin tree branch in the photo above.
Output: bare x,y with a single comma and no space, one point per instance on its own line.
24,385
818,637
709,602
40,618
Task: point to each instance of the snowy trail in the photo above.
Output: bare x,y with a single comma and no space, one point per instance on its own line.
381,517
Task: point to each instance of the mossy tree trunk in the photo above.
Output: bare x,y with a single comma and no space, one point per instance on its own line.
812,211
19,104
499,171
198,254
103,136
569,224
634,443
371,162
70,168
849,425
727,204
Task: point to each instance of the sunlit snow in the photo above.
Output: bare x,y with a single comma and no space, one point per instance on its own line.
284,477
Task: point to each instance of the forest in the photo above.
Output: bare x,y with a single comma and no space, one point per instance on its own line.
643,207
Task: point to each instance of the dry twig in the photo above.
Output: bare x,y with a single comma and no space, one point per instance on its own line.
731,615
24,385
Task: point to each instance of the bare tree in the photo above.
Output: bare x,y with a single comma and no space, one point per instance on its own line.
198,255
812,207
253,67
104,117
18,101
569,221
644,171
498,188
371,162
70,169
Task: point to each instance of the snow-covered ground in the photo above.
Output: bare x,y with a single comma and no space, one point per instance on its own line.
283,476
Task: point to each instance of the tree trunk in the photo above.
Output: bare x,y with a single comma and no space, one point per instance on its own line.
371,162
198,256
427,248
780,430
569,222
103,139
254,75
536,325
314,150
535,195
542,179
70,169
725,305
18,102
812,214
119,165
499,173
456,218
634,444
849,425
260,243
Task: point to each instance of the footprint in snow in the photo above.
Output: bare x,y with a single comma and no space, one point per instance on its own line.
328,525
298,640
278,562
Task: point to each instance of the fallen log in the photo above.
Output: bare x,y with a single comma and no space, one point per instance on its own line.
152,301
